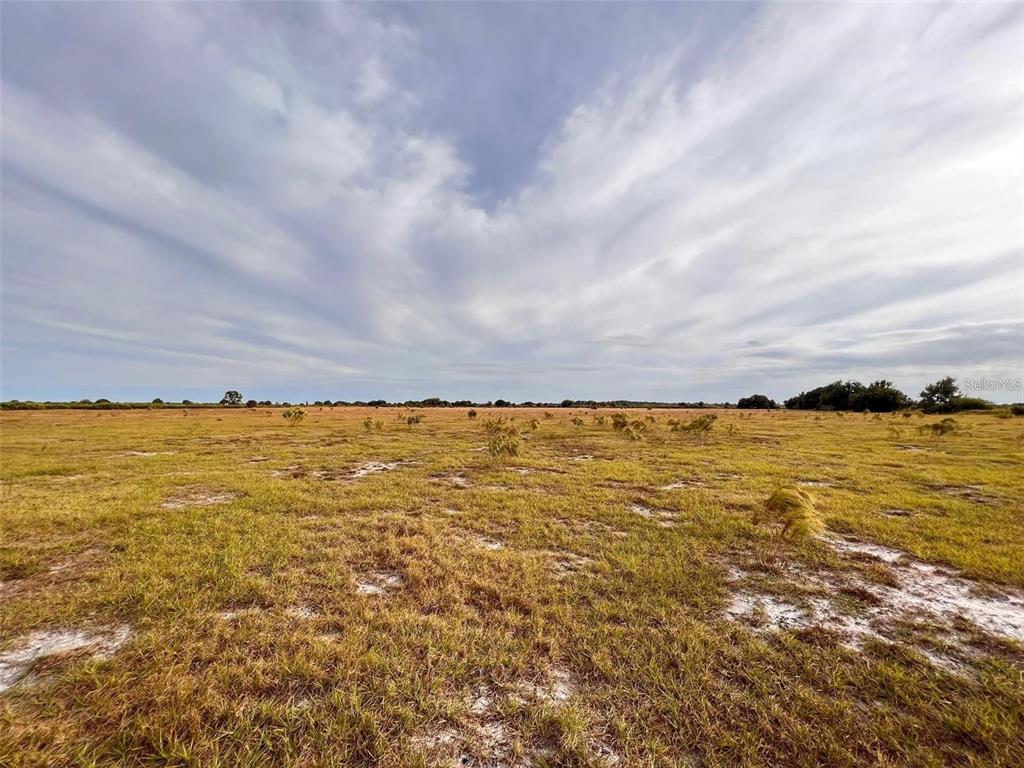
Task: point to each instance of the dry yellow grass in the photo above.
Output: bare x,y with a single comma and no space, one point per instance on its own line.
248,592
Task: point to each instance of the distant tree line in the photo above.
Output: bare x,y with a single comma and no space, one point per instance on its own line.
878,397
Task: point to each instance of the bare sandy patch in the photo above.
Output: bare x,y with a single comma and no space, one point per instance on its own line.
147,454
489,543
942,591
379,583
302,612
685,483
554,689
199,498
897,512
566,564
455,480
858,609
17,661
662,517
973,493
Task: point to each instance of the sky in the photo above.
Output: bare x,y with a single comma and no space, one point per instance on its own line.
671,202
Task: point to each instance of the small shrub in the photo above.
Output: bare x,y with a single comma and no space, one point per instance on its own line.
533,424
599,420
548,415
503,437
368,423
793,509
412,420
620,422
937,429
471,414
293,415
698,426
577,422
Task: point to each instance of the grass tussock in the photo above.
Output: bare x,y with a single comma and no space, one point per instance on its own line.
792,510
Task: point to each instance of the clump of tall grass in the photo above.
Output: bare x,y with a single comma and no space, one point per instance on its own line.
599,420
503,437
577,422
293,415
635,429
792,511
413,419
698,426
532,424
620,422
937,429
548,415
471,414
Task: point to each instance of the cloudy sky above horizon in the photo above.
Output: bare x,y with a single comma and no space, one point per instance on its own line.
535,201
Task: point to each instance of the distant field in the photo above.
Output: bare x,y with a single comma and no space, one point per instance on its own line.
221,588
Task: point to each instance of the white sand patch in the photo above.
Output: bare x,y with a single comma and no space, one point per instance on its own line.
923,591
554,689
374,468
566,564
146,454
582,457
489,543
378,583
854,547
72,561
814,483
199,499
662,517
766,612
931,589
17,661
301,612
682,484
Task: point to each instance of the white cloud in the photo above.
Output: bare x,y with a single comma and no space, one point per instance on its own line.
832,176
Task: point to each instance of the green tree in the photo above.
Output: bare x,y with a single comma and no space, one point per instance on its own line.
940,395
231,397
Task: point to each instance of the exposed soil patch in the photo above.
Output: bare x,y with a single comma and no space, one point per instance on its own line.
302,612
566,564
379,583
147,454
859,609
482,737
454,480
199,498
814,483
554,689
259,459
929,588
17,661
662,517
974,493
897,512
489,543
356,473
691,482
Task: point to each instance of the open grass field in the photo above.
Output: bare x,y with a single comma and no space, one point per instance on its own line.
221,588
